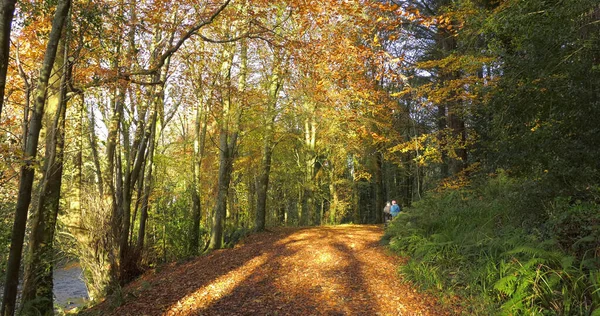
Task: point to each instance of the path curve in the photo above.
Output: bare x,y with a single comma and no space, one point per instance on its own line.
328,270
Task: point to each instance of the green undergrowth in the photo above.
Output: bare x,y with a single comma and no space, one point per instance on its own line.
503,249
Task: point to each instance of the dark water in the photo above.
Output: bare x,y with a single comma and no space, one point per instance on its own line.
69,288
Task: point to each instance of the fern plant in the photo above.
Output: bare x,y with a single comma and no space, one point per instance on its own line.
484,245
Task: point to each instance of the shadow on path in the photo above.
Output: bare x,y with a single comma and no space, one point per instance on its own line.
331,270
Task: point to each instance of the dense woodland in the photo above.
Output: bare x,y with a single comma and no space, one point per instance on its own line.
135,133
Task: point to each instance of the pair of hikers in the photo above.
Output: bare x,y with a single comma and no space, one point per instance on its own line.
391,210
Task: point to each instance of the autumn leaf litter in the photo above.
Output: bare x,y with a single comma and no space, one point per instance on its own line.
327,270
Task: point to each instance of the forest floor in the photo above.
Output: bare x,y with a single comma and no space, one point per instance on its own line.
329,270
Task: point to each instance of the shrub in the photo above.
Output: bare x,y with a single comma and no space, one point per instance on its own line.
501,248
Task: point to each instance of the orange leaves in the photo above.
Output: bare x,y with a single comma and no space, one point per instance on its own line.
315,271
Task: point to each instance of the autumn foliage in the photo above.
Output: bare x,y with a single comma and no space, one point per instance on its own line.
175,128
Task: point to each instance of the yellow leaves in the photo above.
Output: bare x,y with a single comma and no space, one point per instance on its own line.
427,148
414,144
362,175
399,94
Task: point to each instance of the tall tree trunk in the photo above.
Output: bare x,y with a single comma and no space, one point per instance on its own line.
27,100
7,11
310,137
113,178
230,124
38,286
94,148
224,176
148,183
135,158
334,204
127,260
450,114
144,159
200,128
265,168
263,186
459,137
27,170
441,120
252,185
379,198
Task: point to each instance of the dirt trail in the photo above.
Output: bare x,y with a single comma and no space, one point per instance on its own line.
339,270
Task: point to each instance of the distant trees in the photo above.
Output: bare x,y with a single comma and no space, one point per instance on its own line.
482,94
549,83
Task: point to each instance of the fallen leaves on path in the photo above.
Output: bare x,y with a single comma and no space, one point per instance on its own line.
330,270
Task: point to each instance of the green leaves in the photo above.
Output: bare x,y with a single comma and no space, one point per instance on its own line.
537,120
485,245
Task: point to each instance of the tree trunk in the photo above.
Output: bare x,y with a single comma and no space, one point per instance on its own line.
310,136
459,137
444,171
113,178
137,156
7,11
227,142
379,198
216,238
334,204
450,114
27,170
38,286
27,100
145,196
263,187
199,143
265,169
94,148
127,260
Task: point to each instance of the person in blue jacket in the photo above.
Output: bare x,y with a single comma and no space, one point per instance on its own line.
395,209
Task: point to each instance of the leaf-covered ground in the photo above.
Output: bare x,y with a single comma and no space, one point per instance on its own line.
340,270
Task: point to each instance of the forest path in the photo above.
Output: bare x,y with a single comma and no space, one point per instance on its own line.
329,270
